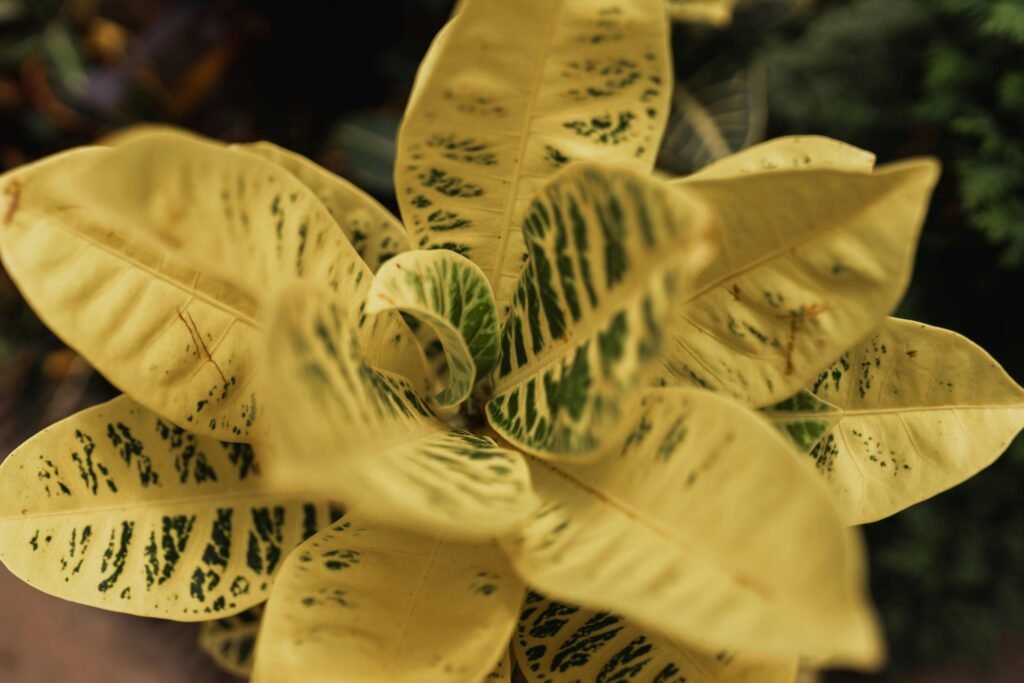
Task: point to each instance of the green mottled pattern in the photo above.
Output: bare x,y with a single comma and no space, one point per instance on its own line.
556,642
117,508
357,434
587,319
656,531
509,93
374,232
805,419
363,602
231,642
451,294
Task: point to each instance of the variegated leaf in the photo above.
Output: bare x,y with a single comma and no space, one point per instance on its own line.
365,437
791,153
707,529
720,109
153,259
804,419
560,643
811,259
502,672
117,508
359,602
452,295
711,12
608,249
374,232
231,642
509,93
915,410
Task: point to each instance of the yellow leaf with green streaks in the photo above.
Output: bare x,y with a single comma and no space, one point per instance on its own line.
811,260
450,294
608,250
115,507
560,643
231,642
366,438
154,259
804,419
711,12
916,410
511,92
374,232
703,526
364,603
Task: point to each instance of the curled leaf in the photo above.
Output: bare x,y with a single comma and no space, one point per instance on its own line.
365,437
452,295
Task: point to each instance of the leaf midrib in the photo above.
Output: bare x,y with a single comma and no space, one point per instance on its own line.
212,497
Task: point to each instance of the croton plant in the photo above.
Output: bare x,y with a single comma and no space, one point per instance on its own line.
583,422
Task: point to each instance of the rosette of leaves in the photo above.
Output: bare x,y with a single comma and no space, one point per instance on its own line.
588,479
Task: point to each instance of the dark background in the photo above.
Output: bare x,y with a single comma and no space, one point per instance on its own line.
898,77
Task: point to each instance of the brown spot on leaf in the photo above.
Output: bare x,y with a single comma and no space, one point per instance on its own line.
735,291
797,319
13,192
911,353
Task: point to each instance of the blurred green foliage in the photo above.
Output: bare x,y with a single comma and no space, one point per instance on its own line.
952,71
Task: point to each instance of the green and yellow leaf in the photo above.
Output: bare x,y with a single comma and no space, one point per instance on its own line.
560,643
704,527
804,419
374,232
790,153
365,437
115,507
720,109
811,260
153,259
450,294
502,672
507,95
231,642
914,411
712,12
359,602
608,249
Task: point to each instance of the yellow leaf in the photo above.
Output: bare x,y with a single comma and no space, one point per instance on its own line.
560,643
231,642
153,260
509,93
716,13
608,249
502,672
452,295
365,437
704,527
374,232
363,603
811,260
789,153
116,508
915,410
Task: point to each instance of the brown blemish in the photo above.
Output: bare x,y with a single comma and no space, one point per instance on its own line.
735,291
911,353
13,191
796,321
193,331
